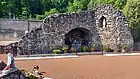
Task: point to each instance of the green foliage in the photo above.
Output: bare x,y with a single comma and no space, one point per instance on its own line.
124,48
72,49
93,45
64,49
47,13
132,12
61,5
119,4
40,17
29,75
47,4
38,9
26,9
25,13
56,51
106,48
92,4
84,48
85,3
51,12
76,6
111,2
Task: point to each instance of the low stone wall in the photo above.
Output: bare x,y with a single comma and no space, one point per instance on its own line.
15,29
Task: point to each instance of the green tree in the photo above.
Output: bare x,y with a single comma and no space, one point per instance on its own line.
35,7
9,8
132,12
25,13
3,9
110,2
119,4
76,6
47,4
51,12
85,3
40,17
94,3
47,13
61,5
15,8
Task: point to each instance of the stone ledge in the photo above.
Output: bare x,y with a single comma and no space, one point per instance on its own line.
65,54
13,75
22,74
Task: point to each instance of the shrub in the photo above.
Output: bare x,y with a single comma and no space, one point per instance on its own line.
72,49
93,45
39,17
84,48
124,48
51,12
29,75
64,49
56,51
107,49
91,48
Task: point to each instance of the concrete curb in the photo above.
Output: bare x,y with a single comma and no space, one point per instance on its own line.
65,54
51,57
126,54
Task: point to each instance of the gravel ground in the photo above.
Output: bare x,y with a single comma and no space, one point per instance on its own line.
87,67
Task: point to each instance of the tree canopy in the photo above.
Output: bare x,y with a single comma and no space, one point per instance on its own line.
39,9
31,9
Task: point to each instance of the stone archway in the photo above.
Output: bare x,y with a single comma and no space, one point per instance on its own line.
78,37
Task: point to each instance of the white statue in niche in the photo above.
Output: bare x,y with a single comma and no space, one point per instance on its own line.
104,22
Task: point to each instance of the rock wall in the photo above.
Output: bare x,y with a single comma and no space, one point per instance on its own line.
14,75
22,74
103,26
116,31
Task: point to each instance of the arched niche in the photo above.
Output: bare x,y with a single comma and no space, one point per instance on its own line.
78,37
102,22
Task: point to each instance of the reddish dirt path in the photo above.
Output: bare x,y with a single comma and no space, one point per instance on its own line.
88,67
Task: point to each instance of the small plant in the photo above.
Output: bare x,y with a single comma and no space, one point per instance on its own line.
65,49
73,49
124,48
29,75
56,51
84,48
92,47
106,48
